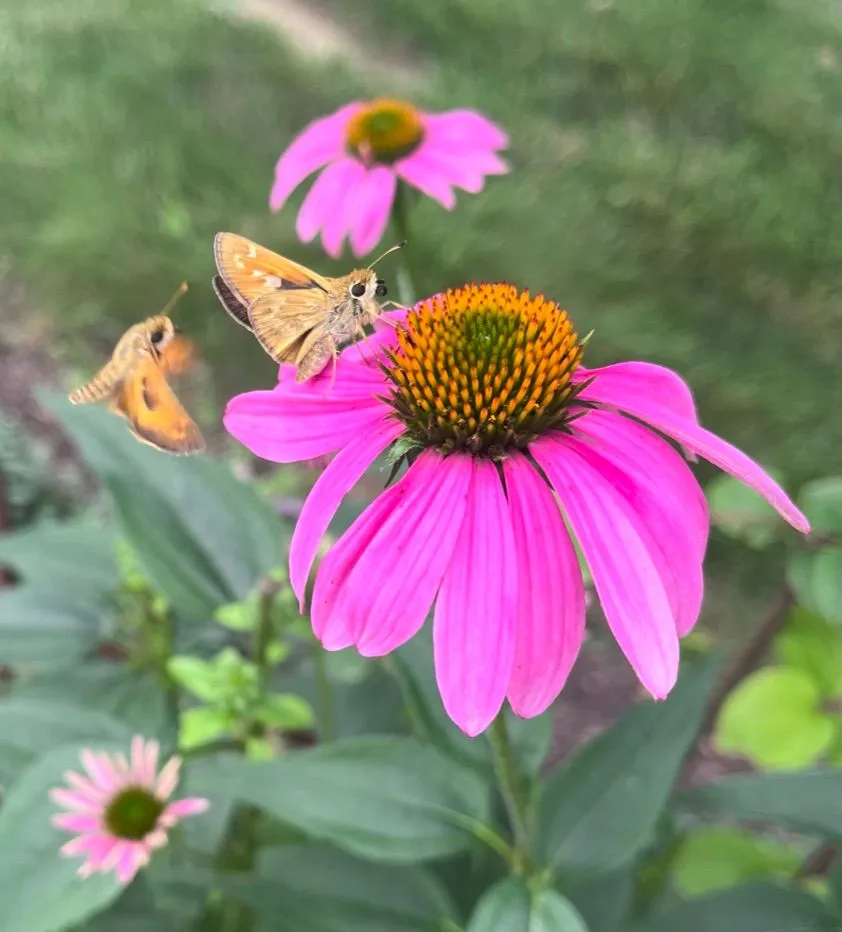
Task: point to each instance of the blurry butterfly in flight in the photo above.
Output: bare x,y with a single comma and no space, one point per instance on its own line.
133,384
298,316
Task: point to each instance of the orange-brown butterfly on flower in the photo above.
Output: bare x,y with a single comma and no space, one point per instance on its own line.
299,316
133,384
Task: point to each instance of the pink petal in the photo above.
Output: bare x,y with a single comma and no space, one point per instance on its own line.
77,801
626,579
285,428
474,621
464,169
153,750
416,542
77,822
425,175
192,805
97,845
327,493
84,786
370,208
652,409
321,142
642,380
669,503
328,190
102,770
464,127
168,778
550,619
131,859
340,218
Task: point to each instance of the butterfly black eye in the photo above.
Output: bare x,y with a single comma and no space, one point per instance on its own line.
358,289
156,336
381,290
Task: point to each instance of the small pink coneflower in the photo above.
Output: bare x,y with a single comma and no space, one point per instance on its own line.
119,809
367,148
515,449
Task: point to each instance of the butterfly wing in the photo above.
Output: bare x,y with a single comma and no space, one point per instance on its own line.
177,356
281,320
154,413
229,301
249,270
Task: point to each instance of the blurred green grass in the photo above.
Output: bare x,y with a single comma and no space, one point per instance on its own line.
676,183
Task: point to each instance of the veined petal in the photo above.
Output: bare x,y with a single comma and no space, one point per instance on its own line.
339,218
669,502
328,189
465,127
416,544
550,617
370,209
626,579
321,142
286,428
641,380
418,171
651,409
474,621
340,476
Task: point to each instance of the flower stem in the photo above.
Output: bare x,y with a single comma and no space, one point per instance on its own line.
514,792
400,217
325,693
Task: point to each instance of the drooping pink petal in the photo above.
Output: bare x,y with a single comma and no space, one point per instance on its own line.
464,127
77,821
466,169
191,805
410,554
669,502
641,380
321,142
329,189
418,171
128,863
474,620
626,579
369,210
285,428
339,219
651,409
98,842
338,478
78,802
550,617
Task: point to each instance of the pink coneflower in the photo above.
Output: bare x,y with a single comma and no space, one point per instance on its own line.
119,810
368,148
514,449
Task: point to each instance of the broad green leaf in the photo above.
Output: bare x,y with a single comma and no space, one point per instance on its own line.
806,802
510,907
203,725
40,891
204,538
133,697
742,513
816,579
821,501
75,557
31,727
774,719
757,907
604,900
811,644
319,889
384,799
46,626
135,911
197,676
717,858
599,809
283,710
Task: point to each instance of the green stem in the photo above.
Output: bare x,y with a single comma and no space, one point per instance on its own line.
325,693
264,630
400,217
514,792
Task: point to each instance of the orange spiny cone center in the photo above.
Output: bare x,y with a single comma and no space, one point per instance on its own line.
384,130
483,368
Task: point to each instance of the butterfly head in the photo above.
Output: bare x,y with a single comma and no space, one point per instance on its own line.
364,286
159,332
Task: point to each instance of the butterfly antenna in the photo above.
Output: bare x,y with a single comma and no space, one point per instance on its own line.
394,248
176,295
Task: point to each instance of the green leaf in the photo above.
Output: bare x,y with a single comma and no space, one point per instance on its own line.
46,626
75,557
604,900
600,809
509,907
40,891
742,513
135,911
717,858
319,889
283,710
134,697
204,538
757,907
197,676
805,802
237,616
821,501
773,718
384,799
811,644
202,725
31,727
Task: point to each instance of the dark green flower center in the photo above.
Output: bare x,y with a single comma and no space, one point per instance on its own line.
384,130
133,813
